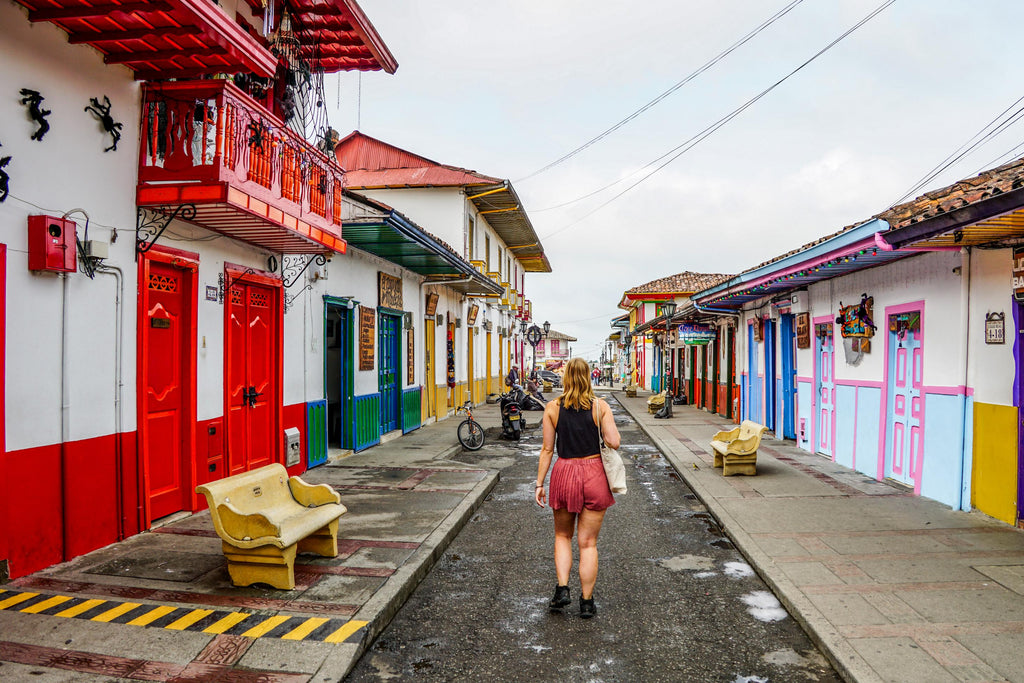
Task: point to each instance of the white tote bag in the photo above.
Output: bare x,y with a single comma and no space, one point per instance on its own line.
613,467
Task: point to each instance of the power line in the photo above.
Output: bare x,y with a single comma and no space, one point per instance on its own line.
689,144
707,65
975,141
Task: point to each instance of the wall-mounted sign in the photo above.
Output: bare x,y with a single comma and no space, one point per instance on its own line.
695,333
995,328
431,306
367,328
389,291
1018,273
758,326
803,330
471,318
212,293
857,320
411,374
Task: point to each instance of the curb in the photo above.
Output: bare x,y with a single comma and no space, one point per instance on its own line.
381,608
843,657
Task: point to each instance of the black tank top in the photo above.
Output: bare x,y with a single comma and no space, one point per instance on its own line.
576,435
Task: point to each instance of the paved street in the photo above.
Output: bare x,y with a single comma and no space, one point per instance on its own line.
676,601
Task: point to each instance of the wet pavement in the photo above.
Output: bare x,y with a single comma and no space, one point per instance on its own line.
676,601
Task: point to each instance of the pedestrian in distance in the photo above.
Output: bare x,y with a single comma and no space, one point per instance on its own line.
578,491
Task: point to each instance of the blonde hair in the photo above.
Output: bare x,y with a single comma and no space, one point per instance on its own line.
578,392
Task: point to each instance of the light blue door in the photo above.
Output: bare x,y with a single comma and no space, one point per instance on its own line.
787,344
753,381
903,430
825,388
771,406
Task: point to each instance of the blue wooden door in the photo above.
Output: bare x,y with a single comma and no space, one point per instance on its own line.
387,374
825,387
904,431
770,402
753,381
787,344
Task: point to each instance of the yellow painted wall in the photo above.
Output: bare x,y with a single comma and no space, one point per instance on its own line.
994,474
441,401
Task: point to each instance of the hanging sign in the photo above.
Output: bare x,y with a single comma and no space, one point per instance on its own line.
1018,273
411,374
856,320
471,318
803,330
431,307
695,333
451,356
367,325
389,291
995,328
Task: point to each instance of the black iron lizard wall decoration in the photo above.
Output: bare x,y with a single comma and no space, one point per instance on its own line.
33,100
102,112
256,133
4,178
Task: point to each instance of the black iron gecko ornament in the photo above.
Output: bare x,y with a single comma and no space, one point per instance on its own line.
256,133
4,178
102,112
33,100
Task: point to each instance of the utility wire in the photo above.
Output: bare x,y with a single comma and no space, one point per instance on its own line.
1001,159
722,55
686,146
994,128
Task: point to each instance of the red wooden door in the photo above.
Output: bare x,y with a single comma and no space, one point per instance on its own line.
253,371
167,383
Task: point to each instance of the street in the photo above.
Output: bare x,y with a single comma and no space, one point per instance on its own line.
675,600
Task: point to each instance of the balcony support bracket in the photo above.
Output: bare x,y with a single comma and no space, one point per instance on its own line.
150,223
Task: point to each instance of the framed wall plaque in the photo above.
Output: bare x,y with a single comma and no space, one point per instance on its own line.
803,330
367,330
411,372
471,317
431,306
389,291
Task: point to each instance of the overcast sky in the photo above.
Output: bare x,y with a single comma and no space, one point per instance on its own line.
507,86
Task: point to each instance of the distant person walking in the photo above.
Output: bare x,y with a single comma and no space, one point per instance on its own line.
596,376
579,491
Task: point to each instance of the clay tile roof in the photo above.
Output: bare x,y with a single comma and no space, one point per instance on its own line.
687,282
990,183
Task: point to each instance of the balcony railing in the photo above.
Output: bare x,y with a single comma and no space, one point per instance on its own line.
210,132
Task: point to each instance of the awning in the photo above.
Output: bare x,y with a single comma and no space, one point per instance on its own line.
158,39
337,36
501,206
384,232
994,219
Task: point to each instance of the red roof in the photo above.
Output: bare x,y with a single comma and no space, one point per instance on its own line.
370,163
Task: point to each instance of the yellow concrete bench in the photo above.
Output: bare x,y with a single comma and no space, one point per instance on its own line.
630,391
736,449
264,518
656,402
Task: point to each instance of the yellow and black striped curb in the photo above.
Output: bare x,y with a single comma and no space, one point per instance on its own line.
319,629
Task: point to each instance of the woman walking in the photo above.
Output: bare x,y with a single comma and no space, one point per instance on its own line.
579,492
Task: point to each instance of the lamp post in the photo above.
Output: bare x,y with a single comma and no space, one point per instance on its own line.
669,309
533,336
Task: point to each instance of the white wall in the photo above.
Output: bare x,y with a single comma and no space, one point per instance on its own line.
438,210
990,370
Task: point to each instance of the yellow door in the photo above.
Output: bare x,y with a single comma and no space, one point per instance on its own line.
469,362
429,381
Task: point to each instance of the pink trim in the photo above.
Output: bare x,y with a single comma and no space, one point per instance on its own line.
858,383
804,379
884,418
814,388
885,246
960,390
804,265
881,243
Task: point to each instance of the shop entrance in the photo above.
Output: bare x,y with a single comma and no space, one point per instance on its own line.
770,383
338,374
753,379
787,346
253,368
904,428
167,371
429,379
824,386
389,346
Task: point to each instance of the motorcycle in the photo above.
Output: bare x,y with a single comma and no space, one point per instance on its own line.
511,415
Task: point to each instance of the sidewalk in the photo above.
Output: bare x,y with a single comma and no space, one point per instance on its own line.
892,587
160,606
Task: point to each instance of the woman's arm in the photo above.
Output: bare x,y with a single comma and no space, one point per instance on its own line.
546,450
608,429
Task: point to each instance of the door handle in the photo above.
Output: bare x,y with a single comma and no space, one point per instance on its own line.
253,395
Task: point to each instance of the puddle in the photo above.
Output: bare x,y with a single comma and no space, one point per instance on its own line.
673,475
749,679
789,657
763,606
737,570
704,575
722,544
687,563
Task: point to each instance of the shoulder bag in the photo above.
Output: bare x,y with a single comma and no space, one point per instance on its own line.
613,467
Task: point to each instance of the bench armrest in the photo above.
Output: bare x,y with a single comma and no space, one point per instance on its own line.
312,495
726,436
243,527
745,446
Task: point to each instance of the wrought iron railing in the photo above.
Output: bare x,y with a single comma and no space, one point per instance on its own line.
210,131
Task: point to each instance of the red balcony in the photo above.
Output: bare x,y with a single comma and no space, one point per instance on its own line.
249,175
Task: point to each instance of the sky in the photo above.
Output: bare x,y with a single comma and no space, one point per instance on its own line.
506,87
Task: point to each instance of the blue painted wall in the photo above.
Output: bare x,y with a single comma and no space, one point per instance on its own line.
942,471
846,427
869,406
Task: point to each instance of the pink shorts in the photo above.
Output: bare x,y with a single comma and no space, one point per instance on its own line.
578,483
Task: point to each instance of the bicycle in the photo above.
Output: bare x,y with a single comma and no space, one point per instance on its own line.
471,434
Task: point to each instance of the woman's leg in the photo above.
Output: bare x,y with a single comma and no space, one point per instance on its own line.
586,536
565,525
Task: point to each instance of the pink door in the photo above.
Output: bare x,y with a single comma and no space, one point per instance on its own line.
904,433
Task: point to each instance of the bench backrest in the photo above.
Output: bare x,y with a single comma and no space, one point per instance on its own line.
749,428
254,491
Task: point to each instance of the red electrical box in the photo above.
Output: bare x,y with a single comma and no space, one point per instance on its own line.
51,244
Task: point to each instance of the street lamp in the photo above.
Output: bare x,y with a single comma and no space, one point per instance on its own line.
547,328
669,309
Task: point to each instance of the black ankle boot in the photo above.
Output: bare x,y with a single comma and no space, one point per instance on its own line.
587,608
561,598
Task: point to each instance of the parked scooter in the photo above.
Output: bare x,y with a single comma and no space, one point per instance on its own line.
511,415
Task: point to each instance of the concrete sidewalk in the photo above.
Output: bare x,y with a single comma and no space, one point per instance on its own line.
160,606
892,587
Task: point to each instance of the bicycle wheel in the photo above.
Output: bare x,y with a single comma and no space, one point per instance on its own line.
471,435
